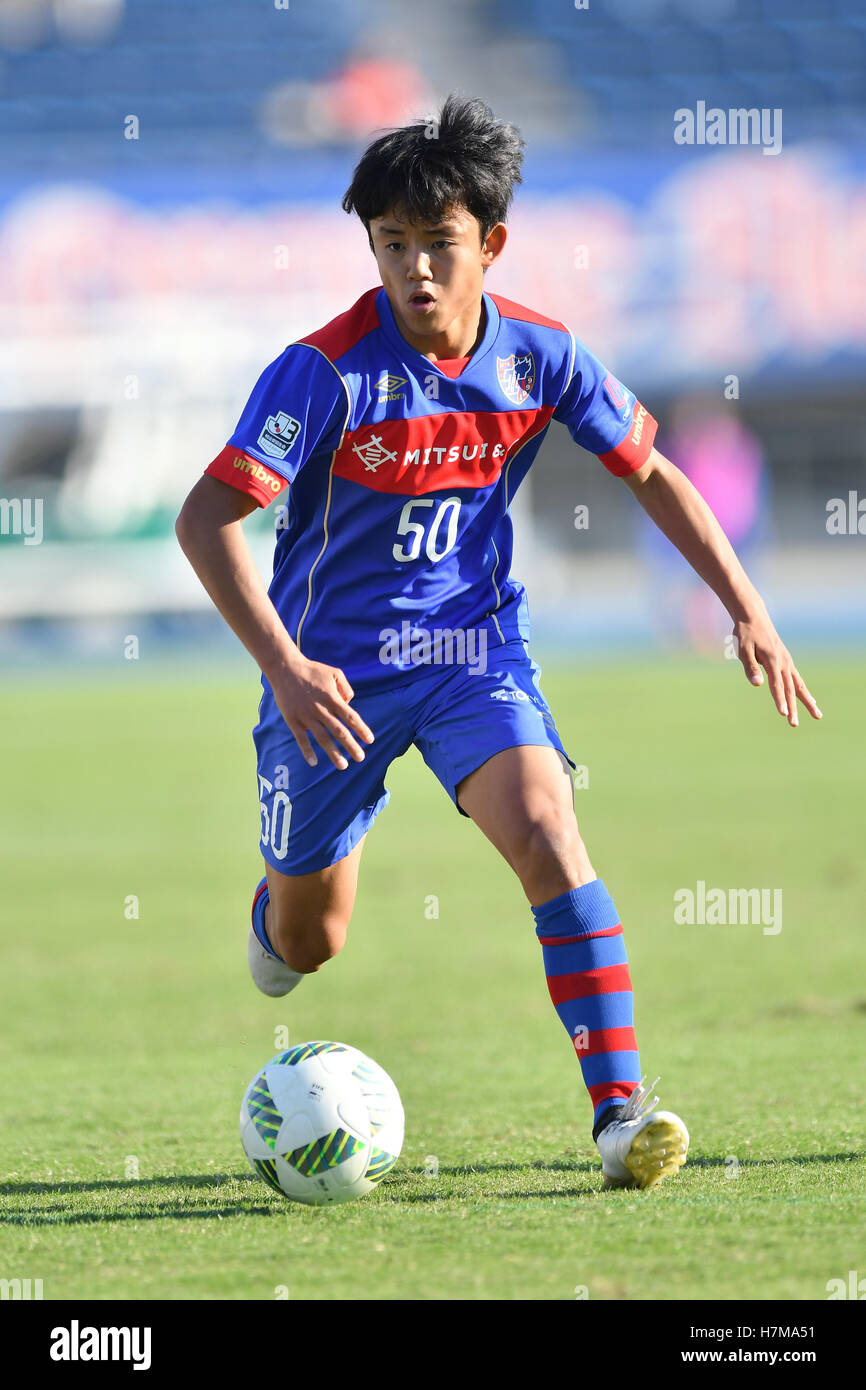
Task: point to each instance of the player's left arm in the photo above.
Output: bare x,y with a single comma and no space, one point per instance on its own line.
679,510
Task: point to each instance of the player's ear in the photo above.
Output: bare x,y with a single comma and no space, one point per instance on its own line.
493,244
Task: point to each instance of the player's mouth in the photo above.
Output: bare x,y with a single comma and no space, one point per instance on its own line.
422,301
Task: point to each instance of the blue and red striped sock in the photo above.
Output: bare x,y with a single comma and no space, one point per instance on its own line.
588,979
260,902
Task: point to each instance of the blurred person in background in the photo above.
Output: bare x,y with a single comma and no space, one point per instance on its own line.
724,461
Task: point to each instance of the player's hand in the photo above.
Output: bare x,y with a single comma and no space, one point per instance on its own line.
314,699
759,644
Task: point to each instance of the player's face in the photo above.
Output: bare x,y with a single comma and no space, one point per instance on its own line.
434,276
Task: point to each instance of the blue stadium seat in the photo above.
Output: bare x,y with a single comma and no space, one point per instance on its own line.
786,10
197,21
30,74
164,57
848,89
199,68
555,19
612,53
757,48
673,49
724,90
795,92
617,97
830,48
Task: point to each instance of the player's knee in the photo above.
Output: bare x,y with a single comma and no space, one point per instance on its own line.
546,833
548,849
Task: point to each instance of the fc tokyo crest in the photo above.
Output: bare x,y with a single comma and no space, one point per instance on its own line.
516,376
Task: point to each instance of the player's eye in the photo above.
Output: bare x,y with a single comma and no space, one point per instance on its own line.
443,243
394,246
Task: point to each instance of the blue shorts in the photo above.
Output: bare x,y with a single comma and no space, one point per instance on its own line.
457,718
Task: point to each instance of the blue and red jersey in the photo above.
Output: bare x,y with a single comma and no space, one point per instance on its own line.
400,473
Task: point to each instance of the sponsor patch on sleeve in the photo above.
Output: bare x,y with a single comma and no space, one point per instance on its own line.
619,396
239,470
635,449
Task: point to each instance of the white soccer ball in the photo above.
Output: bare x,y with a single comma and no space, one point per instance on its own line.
322,1122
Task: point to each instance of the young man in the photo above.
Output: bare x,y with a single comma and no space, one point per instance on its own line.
402,430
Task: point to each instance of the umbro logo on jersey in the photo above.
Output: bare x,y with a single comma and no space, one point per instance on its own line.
259,472
639,417
516,375
279,434
389,386
374,453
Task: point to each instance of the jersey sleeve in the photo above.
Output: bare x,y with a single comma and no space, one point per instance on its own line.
604,417
298,407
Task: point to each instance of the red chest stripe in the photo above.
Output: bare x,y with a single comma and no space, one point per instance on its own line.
431,452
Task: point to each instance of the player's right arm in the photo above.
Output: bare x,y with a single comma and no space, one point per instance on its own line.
312,697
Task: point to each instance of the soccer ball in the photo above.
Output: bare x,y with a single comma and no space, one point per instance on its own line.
322,1123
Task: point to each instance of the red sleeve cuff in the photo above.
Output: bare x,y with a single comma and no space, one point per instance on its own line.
636,448
239,470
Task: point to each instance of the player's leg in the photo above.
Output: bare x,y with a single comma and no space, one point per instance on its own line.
493,743
299,921
313,824
523,800
308,915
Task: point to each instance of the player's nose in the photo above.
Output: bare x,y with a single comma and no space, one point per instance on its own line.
419,265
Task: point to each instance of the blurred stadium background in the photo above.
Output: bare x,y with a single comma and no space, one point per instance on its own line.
169,220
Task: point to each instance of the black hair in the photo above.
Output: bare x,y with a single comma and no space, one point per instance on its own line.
464,158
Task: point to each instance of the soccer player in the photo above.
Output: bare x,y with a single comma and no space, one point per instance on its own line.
397,436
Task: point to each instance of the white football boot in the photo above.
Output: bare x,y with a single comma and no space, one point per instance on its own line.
271,976
640,1147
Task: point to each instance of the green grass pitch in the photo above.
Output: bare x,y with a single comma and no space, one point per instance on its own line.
127,1042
